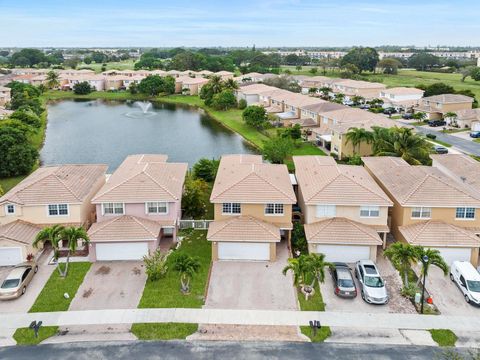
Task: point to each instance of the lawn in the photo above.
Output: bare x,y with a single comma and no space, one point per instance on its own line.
440,142
315,303
7,183
51,298
323,333
477,140
166,331
117,65
444,337
25,336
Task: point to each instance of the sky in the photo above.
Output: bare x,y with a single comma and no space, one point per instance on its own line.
293,23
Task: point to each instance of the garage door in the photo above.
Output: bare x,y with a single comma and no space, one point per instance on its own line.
455,254
243,251
10,256
121,251
349,254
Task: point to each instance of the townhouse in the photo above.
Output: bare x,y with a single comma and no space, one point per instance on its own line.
401,98
253,209
344,210
292,104
189,85
430,208
225,75
5,95
318,82
351,88
97,82
251,93
468,118
138,208
438,105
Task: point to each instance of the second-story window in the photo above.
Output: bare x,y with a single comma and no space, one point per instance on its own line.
326,211
274,209
369,211
58,210
465,213
421,213
10,209
231,208
112,208
157,207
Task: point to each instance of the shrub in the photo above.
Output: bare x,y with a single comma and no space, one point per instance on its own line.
255,116
299,241
242,104
206,169
277,149
82,88
27,117
224,100
156,265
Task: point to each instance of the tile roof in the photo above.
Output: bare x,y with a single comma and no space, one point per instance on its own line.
143,178
19,231
255,89
360,84
420,185
439,233
460,167
324,107
243,228
246,179
448,98
56,184
341,231
125,228
403,91
468,114
323,181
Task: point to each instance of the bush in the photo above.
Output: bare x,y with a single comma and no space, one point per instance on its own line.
18,155
409,291
242,104
155,265
224,100
255,116
431,136
27,117
299,241
82,88
277,149
206,169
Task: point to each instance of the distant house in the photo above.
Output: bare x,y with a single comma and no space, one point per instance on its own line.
225,74
97,82
5,95
190,85
469,118
401,98
350,88
437,106
251,93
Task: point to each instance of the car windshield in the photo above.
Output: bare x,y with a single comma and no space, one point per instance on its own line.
345,283
473,285
10,283
373,281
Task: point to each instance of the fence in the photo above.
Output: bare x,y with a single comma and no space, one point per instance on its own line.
195,224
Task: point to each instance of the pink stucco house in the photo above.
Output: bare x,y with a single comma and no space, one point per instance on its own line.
137,208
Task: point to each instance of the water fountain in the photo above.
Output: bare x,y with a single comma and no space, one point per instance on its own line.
144,106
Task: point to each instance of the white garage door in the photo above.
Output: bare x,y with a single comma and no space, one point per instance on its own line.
10,256
121,251
349,254
243,251
455,254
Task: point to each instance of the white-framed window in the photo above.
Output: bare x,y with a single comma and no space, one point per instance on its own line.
113,209
369,211
273,209
10,209
57,210
326,211
231,208
465,213
421,213
156,207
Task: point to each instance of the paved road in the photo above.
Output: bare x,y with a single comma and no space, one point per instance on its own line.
218,350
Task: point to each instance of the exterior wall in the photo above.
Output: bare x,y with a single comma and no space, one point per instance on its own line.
456,107
92,253
444,214
344,149
273,251
113,84
26,249
349,212
38,215
138,209
257,211
312,248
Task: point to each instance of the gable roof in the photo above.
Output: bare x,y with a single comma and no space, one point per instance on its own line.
341,231
322,181
19,231
420,185
69,184
460,167
143,178
243,228
402,90
360,84
246,179
449,98
323,107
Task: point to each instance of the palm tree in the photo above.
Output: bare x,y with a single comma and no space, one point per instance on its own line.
358,135
317,265
338,98
297,267
216,84
434,258
52,235
312,91
452,117
70,237
358,99
402,255
325,90
53,79
187,266
230,84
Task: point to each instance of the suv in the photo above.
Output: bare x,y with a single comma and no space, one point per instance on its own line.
435,123
440,149
475,134
372,287
343,284
467,279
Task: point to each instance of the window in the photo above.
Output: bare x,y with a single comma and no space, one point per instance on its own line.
465,213
112,208
58,210
10,209
274,209
157,207
421,213
369,211
326,210
231,208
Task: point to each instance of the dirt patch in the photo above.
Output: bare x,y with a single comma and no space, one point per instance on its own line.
136,271
103,270
87,293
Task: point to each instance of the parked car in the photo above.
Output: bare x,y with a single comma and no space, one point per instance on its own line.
343,283
436,123
467,279
389,111
348,102
475,134
407,116
440,149
364,106
16,282
372,287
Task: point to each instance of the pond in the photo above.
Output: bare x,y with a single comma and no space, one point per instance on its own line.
105,132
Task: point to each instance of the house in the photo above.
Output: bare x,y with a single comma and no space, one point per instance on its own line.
309,116
293,104
5,95
16,239
138,207
204,73
350,88
344,210
317,82
189,85
97,82
460,167
469,118
251,93
114,82
272,100
401,98
430,208
253,208
225,75
135,79
438,105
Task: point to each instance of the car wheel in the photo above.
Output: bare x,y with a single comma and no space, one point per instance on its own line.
363,295
356,273
24,289
36,269
451,277
467,299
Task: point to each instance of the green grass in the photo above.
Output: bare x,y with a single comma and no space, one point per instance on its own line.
7,183
51,298
165,293
118,65
164,331
476,140
105,95
25,336
314,303
444,337
440,142
321,335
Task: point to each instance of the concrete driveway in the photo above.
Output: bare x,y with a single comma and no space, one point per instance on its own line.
447,296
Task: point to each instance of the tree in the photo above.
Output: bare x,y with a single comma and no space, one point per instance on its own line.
325,91
255,116
299,241
187,266
356,136
338,98
206,169
402,255
17,155
28,58
152,85
284,82
224,100
293,132
438,89
389,66
312,91
53,79
72,63
155,265
52,235
242,104
230,84
313,70
358,99
364,58
434,258
27,117
195,198
70,237
276,149
82,88
423,61
419,115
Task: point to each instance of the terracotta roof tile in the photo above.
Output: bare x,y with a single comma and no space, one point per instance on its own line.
243,228
19,231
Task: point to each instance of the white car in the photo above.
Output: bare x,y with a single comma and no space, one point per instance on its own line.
372,286
467,279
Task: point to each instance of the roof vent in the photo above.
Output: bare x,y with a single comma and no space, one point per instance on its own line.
463,178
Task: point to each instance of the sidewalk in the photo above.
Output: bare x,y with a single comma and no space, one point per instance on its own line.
242,317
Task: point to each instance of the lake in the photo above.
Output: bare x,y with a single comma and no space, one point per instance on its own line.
105,132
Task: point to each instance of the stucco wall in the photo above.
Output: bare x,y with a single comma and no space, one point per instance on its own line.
138,209
349,212
38,215
257,211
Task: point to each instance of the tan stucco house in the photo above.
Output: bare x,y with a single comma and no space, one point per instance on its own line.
438,105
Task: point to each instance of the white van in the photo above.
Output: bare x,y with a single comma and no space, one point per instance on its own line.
467,279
